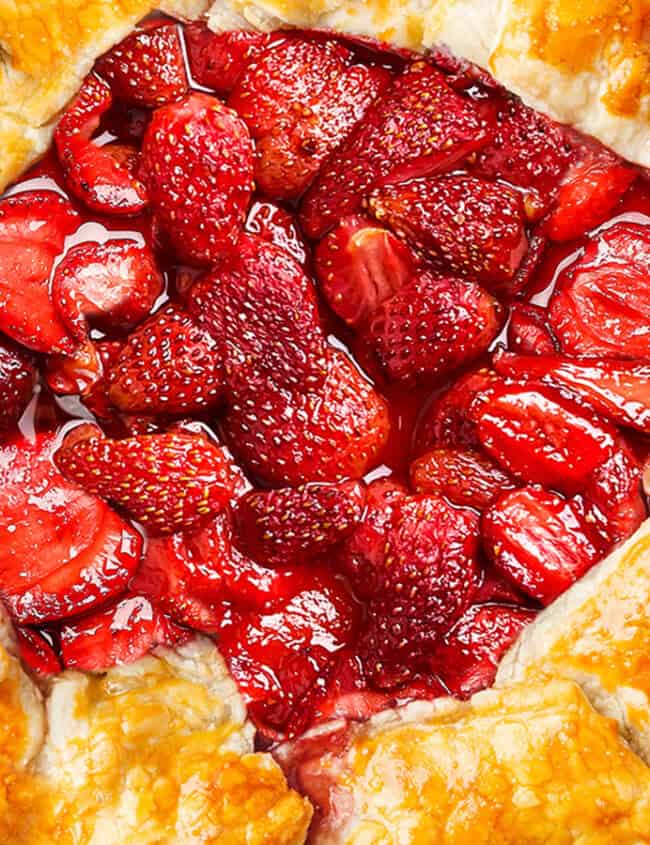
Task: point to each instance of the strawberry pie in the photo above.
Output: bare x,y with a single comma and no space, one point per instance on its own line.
334,357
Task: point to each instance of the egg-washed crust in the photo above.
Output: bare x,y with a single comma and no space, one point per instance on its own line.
156,752
530,765
585,63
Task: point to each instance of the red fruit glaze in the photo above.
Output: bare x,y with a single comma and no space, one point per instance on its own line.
275,224
36,652
218,59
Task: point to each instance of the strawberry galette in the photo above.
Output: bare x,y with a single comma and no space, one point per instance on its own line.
338,356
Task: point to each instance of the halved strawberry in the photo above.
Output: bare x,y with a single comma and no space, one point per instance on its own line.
466,225
36,652
590,189
197,163
529,332
539,541
218,59
275,224
529,150
431,327
447,423
601,306
293,524
276,658
425,582
299,100
262,308
461,476
106,286
169,482
468,658
543,438
122,633
619,390
290,438
62,551
103,178
169,365
359,265
147,68
33,228
17,380
419,127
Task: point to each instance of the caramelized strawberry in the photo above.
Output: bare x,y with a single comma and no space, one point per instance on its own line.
601,306
261,307
293,524
218,59
103,178
17,380
529,332
169,482
419,127
431,327
275,224
425,581
107,286
36,652
122,633
468,658
169,365
542,438
197,162
326,435
539,541
589,191
619,390
300,99
33,228
466,225
276,658
462,477
62,551
359,265
147,68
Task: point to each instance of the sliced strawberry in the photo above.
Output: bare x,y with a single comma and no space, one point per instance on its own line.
276,658
290,525
419,127
17,380
539,541
169,365
590,190
495,587
107,286
123,633
359,265
76,373
262,307
62,551
431,327
276,225
147,68
461,476
36,652
169,482
299,100
197,163
529,332
470,654
33,228
601,306
218,59
447,421
618,389
103,178
529,151
292,438
466,225
542,438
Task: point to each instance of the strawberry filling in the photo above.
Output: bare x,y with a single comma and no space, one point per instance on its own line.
349,374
